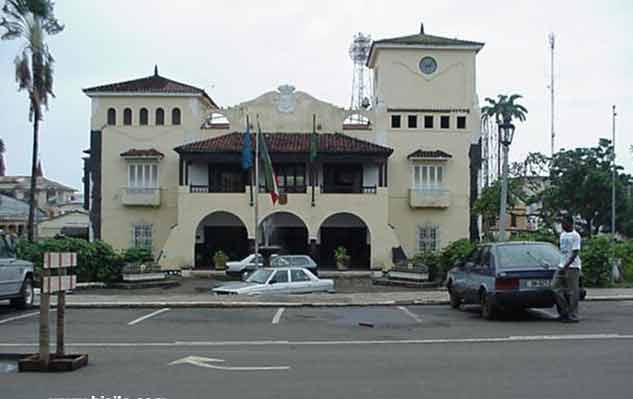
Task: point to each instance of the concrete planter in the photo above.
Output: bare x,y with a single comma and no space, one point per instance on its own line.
143,277
56,363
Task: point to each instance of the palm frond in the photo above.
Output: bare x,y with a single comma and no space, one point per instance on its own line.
23,72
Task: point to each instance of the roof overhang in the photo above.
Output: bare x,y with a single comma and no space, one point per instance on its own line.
202,96
371,59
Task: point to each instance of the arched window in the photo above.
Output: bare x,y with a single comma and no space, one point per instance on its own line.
142,117
175,116
160,116
127,116
111,116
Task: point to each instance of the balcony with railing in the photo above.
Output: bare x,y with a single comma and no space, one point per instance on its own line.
140,196
429,197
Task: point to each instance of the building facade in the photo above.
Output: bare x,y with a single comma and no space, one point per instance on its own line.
164,168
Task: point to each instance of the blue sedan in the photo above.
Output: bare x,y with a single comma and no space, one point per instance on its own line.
505,276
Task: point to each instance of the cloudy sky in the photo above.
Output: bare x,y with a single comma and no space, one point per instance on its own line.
239,49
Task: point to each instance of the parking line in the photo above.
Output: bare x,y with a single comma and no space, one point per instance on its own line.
409,313
147,316
22,316
277,316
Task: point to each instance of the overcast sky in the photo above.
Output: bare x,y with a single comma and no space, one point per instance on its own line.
237,50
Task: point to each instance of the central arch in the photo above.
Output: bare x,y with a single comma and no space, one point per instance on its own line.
349,231
286,230
220,231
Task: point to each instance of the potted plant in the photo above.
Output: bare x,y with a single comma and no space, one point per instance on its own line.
342,258
219,260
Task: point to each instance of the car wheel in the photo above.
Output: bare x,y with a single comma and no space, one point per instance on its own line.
455,300
488,310
27,295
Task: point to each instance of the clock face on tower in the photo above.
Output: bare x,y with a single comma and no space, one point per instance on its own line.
428,65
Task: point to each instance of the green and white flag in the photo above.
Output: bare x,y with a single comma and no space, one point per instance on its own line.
270,178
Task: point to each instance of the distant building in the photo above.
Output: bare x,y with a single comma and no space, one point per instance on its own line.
49,195
70,224
14,215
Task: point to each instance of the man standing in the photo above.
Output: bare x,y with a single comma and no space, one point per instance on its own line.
566,282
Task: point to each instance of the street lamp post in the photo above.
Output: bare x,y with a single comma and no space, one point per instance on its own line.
506,133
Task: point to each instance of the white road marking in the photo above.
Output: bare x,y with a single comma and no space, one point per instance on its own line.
515,338
147,316
277,316
204,362
409,313
22,316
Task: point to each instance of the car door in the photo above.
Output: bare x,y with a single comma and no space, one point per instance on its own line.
279,282
300,281
483,272
10,274
468,287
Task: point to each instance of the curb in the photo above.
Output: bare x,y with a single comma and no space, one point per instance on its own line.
234,305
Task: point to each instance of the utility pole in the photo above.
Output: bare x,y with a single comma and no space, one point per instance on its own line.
552,40
613,179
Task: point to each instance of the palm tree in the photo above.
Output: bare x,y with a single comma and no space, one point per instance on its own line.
3,168
31,21
503,110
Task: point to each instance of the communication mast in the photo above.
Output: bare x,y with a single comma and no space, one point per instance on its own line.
552,40
361,84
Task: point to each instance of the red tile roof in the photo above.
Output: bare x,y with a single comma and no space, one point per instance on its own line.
146,152
329,143
434,154
150,84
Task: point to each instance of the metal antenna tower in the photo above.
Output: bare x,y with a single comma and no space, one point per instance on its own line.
361,89
552,40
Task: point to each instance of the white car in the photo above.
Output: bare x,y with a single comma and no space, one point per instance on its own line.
294,261
246,265
285,280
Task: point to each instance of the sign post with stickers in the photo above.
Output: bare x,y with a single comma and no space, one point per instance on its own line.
55,280
59,283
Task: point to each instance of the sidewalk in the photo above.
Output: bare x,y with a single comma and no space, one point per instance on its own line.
419,297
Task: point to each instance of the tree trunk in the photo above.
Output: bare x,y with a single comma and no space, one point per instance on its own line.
31,226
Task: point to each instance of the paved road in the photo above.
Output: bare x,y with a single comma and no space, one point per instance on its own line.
376,352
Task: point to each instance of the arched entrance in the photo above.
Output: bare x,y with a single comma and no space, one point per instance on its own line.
349,231
220,231
285,230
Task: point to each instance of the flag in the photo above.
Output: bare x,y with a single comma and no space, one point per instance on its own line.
247,149
314,146
269,174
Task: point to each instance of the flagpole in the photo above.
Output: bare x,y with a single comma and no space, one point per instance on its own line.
256,208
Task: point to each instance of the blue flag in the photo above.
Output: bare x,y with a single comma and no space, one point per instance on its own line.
247,149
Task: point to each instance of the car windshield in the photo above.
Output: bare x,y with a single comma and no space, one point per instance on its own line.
259,277
279,261
527,256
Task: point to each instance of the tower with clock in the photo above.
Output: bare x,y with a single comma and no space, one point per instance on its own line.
426,109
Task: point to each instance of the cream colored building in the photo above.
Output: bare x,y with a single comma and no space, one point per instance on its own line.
165,173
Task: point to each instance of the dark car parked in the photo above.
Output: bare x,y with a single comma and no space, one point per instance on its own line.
506,276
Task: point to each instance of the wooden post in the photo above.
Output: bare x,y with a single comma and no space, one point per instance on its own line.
44,333
61,310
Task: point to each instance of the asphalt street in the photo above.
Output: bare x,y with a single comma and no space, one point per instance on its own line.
352,352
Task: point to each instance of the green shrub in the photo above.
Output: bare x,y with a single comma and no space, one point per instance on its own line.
430,260
454,252
624,251
96,261
539,235
137,255
595,255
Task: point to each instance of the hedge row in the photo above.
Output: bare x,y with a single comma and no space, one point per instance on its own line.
96,261
596,254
